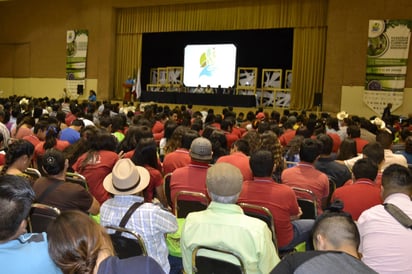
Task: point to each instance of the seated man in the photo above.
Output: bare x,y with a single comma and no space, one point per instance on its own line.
304,175
364,193
354,133
20,252
193,176
223,224
127,182
279,199
239,157
385,139
53,190
72,133
385,243
326,162
336,241
374,152
227,126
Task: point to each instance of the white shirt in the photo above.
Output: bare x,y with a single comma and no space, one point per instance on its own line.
386,245
390,158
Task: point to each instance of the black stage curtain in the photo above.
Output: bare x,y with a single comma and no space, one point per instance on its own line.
199,99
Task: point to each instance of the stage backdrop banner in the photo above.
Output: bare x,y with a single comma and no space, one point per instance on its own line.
388,47
76,55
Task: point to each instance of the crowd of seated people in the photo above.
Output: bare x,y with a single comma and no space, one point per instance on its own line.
336,158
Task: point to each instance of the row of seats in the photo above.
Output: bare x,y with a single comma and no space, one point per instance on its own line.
184,203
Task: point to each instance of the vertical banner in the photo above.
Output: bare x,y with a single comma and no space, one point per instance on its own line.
76,54
388,47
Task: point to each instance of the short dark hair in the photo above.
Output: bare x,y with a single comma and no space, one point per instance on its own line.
105,121
78,123
16,198
226,124
374,151
309,150
338,228
261,163
188,137
353,131
397,176
365,168
384,138
242,146
327,143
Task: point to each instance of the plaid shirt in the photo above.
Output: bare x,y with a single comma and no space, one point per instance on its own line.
150,221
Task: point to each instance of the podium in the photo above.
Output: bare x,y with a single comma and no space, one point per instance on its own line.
127,92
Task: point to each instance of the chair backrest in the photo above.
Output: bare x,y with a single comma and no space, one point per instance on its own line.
189,201
33,172
126,247
40,216
166,188
74,177
204,265
307,202
262,213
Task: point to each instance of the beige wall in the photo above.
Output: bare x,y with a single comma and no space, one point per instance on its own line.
32,44
346,50
41,27
353,104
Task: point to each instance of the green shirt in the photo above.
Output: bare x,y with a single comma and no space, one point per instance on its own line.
225,226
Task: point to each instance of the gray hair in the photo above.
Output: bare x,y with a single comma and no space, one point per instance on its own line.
224,199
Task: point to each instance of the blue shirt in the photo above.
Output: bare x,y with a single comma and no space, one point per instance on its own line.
27,254
92,98
70,135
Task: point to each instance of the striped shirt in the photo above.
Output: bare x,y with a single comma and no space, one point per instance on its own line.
149,220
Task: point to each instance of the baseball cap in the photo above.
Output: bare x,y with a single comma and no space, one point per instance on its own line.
201,149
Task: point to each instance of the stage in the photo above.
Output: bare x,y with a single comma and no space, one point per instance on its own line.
181,98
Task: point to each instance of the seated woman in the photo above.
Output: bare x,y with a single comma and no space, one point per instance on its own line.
97,163
77,244
51,141
145,155
18,159
62,194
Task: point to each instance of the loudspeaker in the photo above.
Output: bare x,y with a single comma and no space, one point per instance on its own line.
80,89
317,100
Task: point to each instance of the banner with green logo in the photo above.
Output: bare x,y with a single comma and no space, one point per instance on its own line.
388,48
76,56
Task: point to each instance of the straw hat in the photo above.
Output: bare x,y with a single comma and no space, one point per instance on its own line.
126,178
379,123
342,115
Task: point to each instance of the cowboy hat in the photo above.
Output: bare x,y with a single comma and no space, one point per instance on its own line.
126,178
342,115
